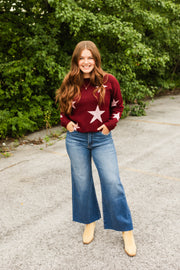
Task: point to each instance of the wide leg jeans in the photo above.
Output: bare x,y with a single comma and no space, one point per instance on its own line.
82,148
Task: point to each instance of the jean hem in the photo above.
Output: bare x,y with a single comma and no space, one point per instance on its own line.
119,229
83,222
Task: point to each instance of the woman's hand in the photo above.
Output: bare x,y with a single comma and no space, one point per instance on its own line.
104,129
71,126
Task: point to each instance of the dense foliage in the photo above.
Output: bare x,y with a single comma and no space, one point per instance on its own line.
139,43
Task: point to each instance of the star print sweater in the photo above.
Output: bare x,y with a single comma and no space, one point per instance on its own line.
86,112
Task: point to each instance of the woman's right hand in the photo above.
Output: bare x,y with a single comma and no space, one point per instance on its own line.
71,126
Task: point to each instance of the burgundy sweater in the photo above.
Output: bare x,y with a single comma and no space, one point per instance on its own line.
89,115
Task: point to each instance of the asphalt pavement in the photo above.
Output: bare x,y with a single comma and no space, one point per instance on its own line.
36,227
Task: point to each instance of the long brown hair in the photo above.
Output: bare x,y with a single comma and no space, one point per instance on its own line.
70,87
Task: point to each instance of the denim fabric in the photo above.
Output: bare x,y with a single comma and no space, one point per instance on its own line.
82,148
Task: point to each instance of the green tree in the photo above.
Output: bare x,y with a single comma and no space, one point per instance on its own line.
31,65
139,43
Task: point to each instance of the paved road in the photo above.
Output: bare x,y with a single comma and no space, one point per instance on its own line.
36,230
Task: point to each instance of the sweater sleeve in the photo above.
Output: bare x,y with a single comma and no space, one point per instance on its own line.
116,104
64,120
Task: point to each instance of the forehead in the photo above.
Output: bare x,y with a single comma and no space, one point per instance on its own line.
86,53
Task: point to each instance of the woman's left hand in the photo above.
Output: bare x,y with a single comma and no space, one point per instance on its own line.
103,129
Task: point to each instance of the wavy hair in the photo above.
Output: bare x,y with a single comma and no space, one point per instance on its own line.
70,87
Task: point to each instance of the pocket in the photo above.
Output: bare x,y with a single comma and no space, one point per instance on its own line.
105,134
70,135
74,131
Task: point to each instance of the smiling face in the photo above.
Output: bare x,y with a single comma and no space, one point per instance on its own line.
86,63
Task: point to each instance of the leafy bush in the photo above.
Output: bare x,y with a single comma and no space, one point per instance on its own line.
139,43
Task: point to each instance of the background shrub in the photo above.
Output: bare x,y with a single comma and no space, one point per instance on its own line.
139,43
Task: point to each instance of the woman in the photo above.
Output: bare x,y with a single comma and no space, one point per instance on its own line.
91,105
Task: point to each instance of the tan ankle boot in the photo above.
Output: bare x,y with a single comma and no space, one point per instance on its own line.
129,242
88,234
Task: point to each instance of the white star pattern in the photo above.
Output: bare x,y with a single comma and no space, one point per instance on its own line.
75,128
96,114
114,103
99,89
73,106
116,115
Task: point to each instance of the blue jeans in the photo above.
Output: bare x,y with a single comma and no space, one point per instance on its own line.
82,148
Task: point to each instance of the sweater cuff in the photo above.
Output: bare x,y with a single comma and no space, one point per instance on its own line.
110,125
65,121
